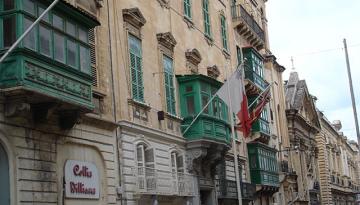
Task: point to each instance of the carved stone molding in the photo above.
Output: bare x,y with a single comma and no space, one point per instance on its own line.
213,71
134,17
164,3
193,56
17,109
167,40
193,159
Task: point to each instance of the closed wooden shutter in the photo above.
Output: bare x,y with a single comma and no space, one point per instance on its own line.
169,86
224,32
187,8
137,86
206,17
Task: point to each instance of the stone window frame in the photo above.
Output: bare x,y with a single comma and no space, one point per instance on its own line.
166,45
134,20
175,149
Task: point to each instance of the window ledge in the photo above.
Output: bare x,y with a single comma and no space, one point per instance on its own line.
226,53
98,93
209,40
143,105
174,117
189,22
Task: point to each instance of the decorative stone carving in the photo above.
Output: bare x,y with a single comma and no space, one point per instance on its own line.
16,109
193,58
164,3
167,40
134,17
213,71
193,159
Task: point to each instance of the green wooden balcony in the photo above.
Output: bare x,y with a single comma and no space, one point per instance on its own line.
263,164
52,64
213,123
254,68
262,126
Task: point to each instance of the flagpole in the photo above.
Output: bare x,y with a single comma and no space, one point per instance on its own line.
253,102
237,175
28,31
198,115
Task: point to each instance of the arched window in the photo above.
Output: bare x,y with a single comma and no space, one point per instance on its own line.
146,167
4,178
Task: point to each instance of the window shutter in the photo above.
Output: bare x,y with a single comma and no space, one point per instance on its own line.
206,17
136,69
180,163
187,8
169,85
94,70
224,32
149,158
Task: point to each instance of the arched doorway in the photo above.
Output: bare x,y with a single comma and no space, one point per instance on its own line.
4,177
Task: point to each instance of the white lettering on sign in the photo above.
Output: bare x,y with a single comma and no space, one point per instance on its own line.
81,180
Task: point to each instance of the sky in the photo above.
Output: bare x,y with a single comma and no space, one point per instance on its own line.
312,31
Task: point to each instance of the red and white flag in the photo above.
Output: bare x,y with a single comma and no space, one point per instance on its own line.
233,93
264,97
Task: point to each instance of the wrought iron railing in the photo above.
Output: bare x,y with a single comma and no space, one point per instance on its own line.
239,12
228,189
154,181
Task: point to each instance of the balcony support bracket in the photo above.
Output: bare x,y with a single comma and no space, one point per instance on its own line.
68,118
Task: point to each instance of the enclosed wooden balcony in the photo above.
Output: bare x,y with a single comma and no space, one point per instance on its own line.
50,71
213,123
246,26
263,166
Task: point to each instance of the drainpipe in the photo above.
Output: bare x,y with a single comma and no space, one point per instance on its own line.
28,30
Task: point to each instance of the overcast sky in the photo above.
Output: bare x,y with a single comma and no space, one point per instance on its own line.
312,32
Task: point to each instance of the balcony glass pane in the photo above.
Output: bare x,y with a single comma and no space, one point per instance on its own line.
71,53
59,43
83,35
70,29
29,6
46,17
190,105
30,39
84,60
9,25
204,101
8,4
58,22
45,39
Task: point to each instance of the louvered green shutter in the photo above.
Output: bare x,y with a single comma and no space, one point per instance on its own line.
169,85
224,32
206,18
136,69
187,8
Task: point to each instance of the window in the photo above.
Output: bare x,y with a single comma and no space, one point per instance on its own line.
238,55
145,166
8,5
224,32
207,27
56,37
136,68
45,35
9,25
177,163
59,47
187,8
217,108
30,39
169,85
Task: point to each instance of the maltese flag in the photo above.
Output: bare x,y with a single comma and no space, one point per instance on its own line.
236,97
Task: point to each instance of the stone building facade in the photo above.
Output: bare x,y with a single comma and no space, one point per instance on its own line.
338,168
303,125
54,149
